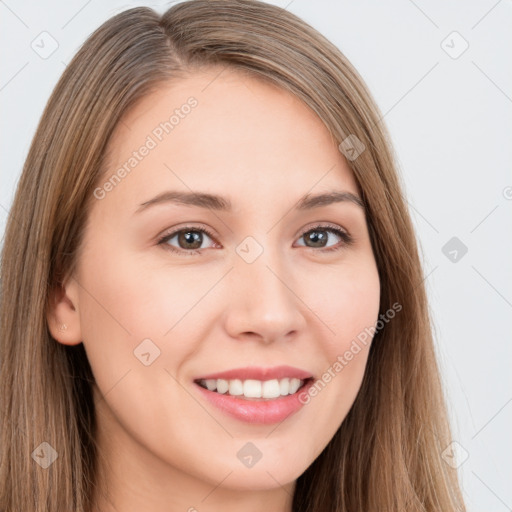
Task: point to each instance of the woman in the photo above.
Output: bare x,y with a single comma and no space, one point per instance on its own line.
211,291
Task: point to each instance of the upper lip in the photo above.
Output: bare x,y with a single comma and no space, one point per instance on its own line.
260,373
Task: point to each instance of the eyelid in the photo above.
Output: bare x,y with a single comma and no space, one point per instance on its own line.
323,225
177,229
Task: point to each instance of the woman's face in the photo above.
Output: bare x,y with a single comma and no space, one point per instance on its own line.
207,255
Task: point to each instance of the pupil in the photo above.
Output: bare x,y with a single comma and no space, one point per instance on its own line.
191,237
317,237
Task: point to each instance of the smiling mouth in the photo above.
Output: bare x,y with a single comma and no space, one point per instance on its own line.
254,390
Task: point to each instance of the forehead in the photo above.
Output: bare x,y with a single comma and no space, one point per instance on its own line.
223,131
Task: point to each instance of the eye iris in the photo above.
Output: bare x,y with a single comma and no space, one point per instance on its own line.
318,238
190,237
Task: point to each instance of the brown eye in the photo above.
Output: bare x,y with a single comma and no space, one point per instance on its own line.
321,236
188,240
317,237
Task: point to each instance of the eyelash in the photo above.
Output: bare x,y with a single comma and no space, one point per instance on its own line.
347,239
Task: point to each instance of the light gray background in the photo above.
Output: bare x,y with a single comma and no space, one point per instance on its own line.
450,119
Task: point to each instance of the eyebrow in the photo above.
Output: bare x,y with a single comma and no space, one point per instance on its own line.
219,203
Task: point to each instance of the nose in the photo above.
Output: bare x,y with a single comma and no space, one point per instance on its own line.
263,303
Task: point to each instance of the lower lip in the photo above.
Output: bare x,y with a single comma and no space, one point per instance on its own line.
265,412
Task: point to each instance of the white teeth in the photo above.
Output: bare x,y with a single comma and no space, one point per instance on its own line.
236,387
211,384
251,388
222,386
270,389
294,386
284,386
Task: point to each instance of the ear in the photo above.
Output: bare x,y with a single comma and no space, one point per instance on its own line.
63,315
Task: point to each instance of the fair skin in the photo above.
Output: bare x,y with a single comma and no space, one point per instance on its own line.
163,447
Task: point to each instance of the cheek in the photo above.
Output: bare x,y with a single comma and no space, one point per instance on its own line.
126,301
347,303
138,298
348,312
141,322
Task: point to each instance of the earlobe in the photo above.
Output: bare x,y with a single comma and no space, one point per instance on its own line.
63,316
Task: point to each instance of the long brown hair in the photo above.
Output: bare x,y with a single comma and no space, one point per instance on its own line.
386,455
